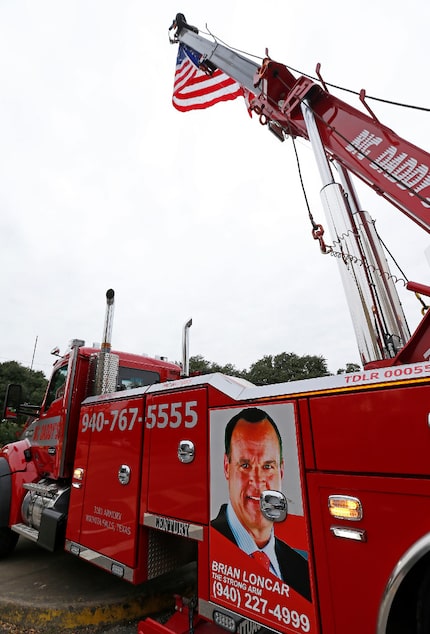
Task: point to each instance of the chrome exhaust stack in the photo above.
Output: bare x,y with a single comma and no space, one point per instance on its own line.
185,349
107,363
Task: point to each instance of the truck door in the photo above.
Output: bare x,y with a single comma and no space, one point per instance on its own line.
104,512
260,569
176,455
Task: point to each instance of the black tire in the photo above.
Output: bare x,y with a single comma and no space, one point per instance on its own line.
423,605
8,541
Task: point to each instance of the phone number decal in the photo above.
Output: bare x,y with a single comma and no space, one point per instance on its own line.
117,419
159,415
258,605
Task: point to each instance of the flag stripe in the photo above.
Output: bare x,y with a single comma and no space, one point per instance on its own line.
203,84
206,89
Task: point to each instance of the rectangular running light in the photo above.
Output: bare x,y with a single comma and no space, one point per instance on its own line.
349,533
224,621
345,507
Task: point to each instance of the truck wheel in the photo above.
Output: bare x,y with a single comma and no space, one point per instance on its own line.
8,541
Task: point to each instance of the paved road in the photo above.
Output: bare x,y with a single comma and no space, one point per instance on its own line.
54,593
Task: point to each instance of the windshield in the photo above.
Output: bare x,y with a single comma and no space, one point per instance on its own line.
56,385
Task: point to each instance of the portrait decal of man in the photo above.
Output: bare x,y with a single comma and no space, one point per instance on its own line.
253,463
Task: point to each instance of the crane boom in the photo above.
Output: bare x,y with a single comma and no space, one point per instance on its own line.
346,142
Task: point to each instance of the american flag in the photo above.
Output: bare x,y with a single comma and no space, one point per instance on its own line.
194,89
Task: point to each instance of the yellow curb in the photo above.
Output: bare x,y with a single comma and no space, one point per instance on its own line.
55,620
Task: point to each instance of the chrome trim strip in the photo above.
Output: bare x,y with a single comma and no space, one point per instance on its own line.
97,559
70,386
401,569
173,526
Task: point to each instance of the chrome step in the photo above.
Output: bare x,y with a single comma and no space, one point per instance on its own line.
26,531
39,487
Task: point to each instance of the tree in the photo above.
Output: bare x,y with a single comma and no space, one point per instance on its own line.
33,385
199,365
350,367
286,366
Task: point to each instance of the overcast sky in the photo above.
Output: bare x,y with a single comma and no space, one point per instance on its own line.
104,184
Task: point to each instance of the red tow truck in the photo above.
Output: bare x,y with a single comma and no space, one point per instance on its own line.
305,505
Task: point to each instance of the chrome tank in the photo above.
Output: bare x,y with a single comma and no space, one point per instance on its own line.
40,496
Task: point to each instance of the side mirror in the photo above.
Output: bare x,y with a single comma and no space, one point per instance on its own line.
274,506
12,401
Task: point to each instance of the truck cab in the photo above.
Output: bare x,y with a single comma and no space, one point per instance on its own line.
37,470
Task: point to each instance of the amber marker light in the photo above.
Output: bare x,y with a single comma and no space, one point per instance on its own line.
345,507
78,476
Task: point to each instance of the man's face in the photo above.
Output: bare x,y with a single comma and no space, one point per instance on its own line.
254,466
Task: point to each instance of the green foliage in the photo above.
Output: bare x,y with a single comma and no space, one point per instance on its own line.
279,368
33,386
286,366
350,367
199,365
9,431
